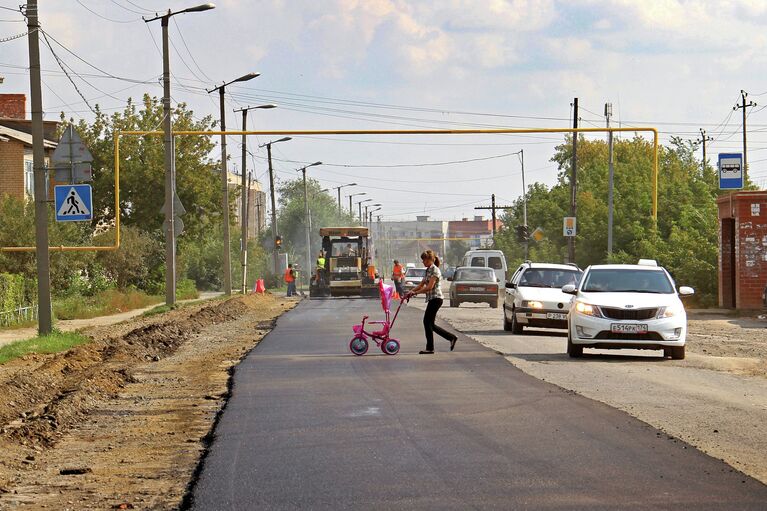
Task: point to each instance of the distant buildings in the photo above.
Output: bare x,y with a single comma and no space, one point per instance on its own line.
406,240
256,204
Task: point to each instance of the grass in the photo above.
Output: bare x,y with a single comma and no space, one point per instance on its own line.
51,343
111,301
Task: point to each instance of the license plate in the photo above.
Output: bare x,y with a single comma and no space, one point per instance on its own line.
556,315
477,289
628,328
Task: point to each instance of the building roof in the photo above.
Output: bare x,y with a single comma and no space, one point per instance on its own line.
24,138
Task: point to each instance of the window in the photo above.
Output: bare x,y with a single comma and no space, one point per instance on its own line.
478,262
543,277
628,281
29,179
495,263
475,275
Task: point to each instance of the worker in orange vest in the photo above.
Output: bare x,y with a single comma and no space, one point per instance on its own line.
290,280
398,276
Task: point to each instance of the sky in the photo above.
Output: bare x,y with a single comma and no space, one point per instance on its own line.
675,65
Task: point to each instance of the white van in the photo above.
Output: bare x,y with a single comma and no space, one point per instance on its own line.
487,259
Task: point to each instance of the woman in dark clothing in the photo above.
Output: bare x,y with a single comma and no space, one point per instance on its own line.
430,287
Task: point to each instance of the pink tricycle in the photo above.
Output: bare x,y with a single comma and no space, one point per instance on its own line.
360,342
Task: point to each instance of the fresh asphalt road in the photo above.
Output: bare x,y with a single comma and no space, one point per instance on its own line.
311,426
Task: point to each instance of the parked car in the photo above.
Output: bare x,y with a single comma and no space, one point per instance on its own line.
413,277
487,259
448,272
627,306
476,285
534,296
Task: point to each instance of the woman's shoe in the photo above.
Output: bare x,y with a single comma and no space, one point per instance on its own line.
426,352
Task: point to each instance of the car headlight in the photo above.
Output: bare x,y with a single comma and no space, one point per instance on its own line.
587,309
533,304
670,311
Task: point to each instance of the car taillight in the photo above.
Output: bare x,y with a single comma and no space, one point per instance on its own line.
491,288
461,288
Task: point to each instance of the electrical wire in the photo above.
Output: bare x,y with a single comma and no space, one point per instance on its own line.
63,68
104,17
11,38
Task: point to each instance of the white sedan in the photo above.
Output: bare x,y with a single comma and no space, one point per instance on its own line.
627,306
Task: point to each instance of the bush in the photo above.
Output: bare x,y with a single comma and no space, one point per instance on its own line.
133,262
111,301
186,290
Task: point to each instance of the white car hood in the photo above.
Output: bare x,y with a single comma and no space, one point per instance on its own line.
630,300
543,294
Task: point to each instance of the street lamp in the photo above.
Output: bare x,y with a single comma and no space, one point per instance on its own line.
170,160
306,221
351,211
365,221
359,205
275,233
338,188
224,179
245,193
370,226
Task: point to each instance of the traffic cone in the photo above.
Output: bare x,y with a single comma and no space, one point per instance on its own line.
260,288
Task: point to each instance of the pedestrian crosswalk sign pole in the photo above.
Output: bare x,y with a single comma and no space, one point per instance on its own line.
74,203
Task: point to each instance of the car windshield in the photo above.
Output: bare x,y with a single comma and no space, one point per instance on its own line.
416,272
549,277
475,274
627,280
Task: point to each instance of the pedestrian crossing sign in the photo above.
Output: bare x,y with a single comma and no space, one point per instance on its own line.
74,203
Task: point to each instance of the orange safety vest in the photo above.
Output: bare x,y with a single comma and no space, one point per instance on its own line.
289,275
397,272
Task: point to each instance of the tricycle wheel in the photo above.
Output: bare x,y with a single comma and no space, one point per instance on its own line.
390,347
358,346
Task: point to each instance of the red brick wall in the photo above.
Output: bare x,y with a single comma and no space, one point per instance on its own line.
751,254
12,169
12,106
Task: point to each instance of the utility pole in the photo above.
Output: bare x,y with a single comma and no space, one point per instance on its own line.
245,194
573,183
170,156
338,189
225,178
743,106
524,200
610,184
307,220
703,139
493,207
275,232
45,321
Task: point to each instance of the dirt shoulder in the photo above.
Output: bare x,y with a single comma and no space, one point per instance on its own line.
125,418
737,345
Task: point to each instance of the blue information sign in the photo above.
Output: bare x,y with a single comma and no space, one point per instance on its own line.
74,203
730,171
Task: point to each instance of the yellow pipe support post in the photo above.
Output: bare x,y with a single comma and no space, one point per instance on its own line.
490,131
62,248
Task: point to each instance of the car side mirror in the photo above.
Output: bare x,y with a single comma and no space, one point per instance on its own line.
569,289
510,285
686,291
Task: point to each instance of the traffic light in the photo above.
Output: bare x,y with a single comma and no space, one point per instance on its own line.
278,242
523,233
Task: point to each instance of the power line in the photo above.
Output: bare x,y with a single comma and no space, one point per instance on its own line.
104,17
61,65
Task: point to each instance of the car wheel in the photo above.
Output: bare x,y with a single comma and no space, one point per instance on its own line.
573,350
494,304
677,352
516,328
454,302
506,322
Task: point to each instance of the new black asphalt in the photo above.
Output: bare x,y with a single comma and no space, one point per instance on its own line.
311,426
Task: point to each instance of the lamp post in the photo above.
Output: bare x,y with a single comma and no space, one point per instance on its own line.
224,178
366,222
351,211
275,232
306,221
338,189
245,193
170,160
359,205
373,238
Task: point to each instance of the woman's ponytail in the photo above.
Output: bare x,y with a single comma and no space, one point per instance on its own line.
429,254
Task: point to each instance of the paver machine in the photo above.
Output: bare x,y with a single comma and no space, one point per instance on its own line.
348,269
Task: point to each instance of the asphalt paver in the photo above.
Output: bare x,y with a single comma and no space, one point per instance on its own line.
311,426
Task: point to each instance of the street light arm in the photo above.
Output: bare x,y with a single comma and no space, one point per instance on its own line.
164,17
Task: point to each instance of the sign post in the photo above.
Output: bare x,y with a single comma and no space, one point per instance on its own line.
730,171
568,227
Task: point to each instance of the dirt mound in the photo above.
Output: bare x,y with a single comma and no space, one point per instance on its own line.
38,405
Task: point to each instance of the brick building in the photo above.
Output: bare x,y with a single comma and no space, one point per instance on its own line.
479,230
742,249
16,172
